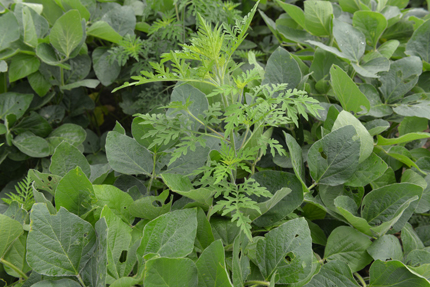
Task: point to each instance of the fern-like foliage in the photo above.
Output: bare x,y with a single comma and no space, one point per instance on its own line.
128,47
23,195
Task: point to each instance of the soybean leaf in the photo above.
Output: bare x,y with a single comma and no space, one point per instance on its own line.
106,71
419,43
67,157
318,15
11,230
211,266
170,272
420,108
94,273
118,201
125,155
47,54
402,77
282,68
372,24
394,273
58,245
369,170
348,245
377,107
122,20
388,48
16,255
274,181
286,250
386,248
410,239
294,12
9,30
412,124
366,141
347,92
170,235
146,207
333,159
75,192
66,34
224,229
334,273
385,204
102,30
14,103
322,63
32,145
71,133
350,40
204,236
22,65
57,283
402,139
377,126
296,157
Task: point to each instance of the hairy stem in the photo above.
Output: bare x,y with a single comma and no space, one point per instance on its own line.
80,280
363,283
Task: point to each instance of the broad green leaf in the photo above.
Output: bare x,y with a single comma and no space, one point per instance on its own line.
347,92
389,203
286,250
402,77
334,159
412,124
72,4
318,16
14,103
75,192
370,67
367,171
347,207
224,229
419,43
71,133
39,83
211,267
3,66
126,156
400,154
34,123
333,273
366,141
294,12
350,40
322,63
119,240
89,83
57,283
410,240
385,248
94,273
32,145
424,204
122,20
349,5
402,139
394,273
420,108
58,245
16,255
47,54
266,206
125,282
170,235
102,30
9,30
10,231
66,34
30,35
348,245
282,68
170,272
274,181
119,202
106,71
377,126
182,185
145,207
67,157
372,24
39,197
204,236
296,157
388,48
186,164
377,107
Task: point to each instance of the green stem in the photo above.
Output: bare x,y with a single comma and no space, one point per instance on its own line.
312,186
257,282
153,175
363,283
16,269
194,117
80,280
244,138
62,76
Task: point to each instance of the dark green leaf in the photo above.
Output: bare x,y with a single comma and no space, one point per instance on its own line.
14,103
32,145
67,157
334,273
211,267
66,34
9,30
394,273
385,248
22,65
170,272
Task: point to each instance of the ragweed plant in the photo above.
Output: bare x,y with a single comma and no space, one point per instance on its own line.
23,195
241,115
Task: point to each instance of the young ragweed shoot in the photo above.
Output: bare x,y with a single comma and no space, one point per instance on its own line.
23,195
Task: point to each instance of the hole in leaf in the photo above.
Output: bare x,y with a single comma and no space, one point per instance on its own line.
296,235
123,256
49,178
85,235
289,257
